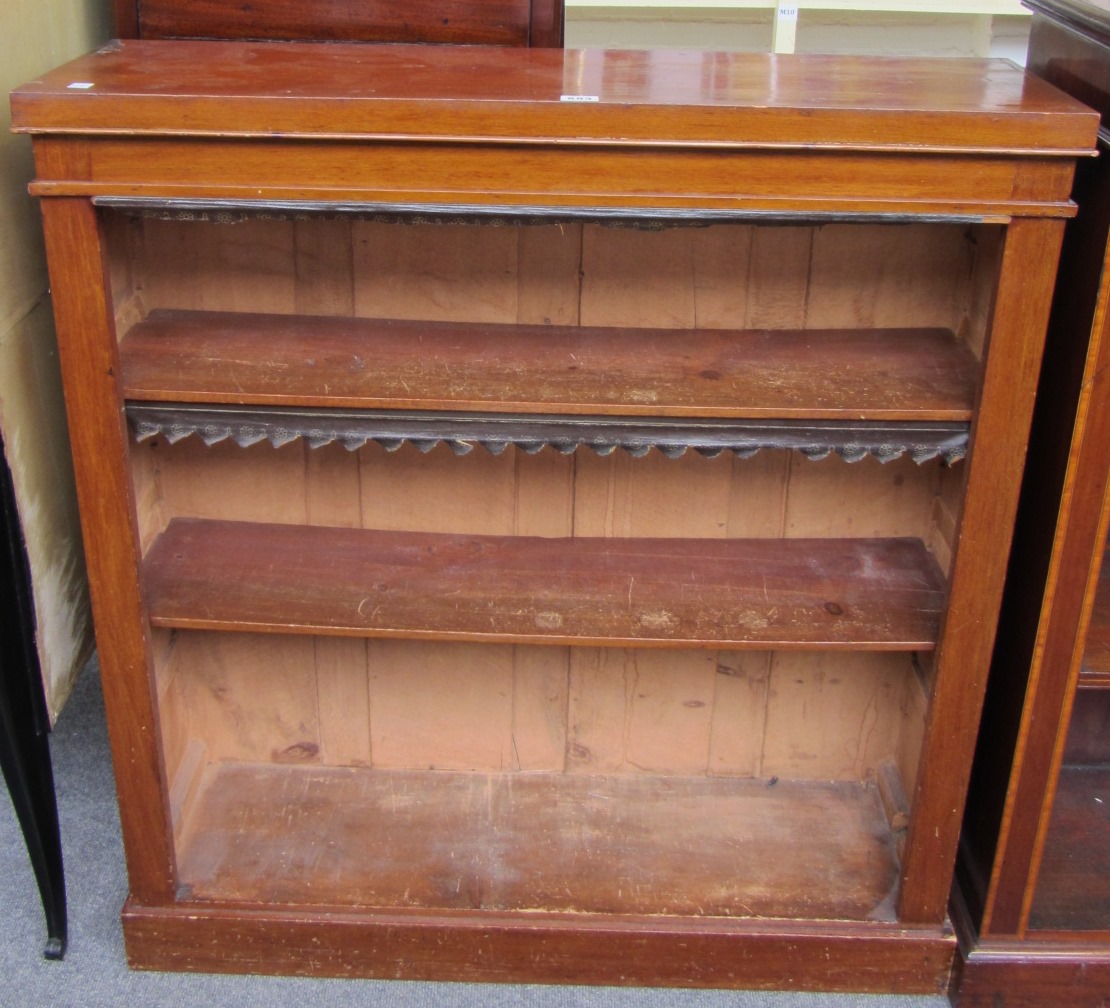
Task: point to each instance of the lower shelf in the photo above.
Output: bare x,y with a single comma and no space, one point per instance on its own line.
1073,887
852,594
301,836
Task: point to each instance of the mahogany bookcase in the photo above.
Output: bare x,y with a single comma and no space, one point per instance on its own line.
1033,893
547,511
453,22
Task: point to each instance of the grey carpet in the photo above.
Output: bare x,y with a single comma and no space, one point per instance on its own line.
94,972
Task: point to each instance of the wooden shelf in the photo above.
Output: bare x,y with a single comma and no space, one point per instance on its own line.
270,834
852,594
1095,672
1073,885
223,357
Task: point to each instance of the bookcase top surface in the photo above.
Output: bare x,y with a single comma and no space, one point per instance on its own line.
610,97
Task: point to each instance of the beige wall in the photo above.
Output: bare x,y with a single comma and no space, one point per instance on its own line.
36,35
747,27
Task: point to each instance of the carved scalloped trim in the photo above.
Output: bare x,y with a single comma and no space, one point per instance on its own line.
461,433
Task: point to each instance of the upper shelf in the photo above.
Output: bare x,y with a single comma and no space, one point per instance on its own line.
855,594
253,359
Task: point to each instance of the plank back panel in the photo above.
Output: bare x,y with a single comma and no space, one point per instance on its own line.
722,276
833,716
561,275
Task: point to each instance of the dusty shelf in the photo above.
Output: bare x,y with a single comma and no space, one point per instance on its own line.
841,374
643,845
852,594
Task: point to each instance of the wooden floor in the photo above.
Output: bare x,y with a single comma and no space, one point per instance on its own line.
1073,888
638,845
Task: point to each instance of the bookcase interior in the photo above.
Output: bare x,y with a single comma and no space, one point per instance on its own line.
527,771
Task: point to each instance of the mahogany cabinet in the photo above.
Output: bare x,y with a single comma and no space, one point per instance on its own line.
547,511
454,22
1033,892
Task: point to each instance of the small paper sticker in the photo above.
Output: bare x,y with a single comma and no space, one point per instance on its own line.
579,97
790,13
80,85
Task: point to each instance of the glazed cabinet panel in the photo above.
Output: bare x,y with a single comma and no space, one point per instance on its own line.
1032,899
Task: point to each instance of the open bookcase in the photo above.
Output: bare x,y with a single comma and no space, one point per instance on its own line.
547,511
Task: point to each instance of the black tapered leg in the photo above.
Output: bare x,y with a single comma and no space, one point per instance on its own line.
24,725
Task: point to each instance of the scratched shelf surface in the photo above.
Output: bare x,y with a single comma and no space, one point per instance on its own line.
651,845
851,594
852,374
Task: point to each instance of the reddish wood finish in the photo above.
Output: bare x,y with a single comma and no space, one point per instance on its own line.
462,22
821,120
539,843
562,175
1032,875
672,98
1096,650
467,22
746,593
1073,885
964,648
705,135
90,366
874,374
1088,743
1042,974
580,949
125,18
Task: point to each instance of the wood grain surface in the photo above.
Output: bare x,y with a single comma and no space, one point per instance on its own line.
723,99
536,842
294,606
873,374
855,594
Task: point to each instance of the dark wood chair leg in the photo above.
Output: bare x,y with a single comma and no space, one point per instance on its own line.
24,725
